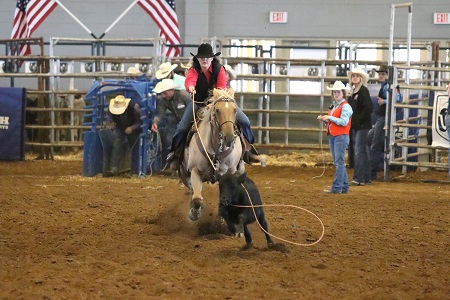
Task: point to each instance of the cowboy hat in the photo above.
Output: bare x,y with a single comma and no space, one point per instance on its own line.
133,70
364,75
164,70
230,71
204,51
337,86
118,105
383,68
164,85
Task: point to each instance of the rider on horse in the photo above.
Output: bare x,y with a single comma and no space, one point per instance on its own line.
205,74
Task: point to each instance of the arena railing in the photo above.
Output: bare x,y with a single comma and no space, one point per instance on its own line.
279,119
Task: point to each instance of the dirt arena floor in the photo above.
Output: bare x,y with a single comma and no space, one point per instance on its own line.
64,236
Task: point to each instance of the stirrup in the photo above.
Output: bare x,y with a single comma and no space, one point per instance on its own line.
170,157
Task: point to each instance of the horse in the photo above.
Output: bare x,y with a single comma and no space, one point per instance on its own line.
214,149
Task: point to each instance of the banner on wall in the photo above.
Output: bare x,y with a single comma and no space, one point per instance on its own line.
439,132
12,123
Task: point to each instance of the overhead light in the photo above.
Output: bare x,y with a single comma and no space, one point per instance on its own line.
283,70
313,72
114,67
31,67
87,67
255,69
63,68
144,67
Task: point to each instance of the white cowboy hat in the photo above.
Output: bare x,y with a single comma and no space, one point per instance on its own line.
164,85
133,71
337,86
164,70
118,105
364,75
230,71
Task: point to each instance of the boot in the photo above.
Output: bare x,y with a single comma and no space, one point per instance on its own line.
172,161
251,156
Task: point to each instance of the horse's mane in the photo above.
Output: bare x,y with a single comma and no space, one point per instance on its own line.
215,95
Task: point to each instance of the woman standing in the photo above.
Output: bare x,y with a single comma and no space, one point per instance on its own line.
338,122
361,104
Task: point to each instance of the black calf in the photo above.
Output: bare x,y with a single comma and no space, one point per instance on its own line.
233,194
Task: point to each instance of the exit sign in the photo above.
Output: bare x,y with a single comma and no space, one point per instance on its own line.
441,18
278,17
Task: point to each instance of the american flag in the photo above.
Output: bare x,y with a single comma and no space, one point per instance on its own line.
27,18
164,14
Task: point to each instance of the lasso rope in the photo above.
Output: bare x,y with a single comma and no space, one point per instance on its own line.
153,152
281,205
321,151
198,132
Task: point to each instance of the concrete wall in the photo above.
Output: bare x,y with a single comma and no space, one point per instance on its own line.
307,19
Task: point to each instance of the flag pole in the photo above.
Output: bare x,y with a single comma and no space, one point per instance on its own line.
75,18
118,19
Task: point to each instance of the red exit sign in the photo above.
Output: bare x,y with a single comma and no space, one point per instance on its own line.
278,17
441,18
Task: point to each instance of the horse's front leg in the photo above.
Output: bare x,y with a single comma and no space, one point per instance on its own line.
196,182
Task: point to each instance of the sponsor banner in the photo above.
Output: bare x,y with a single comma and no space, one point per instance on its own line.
439,132
12,123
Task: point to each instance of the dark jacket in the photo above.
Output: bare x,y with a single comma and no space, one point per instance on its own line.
176,105
362,109
203,87
382,93
131,117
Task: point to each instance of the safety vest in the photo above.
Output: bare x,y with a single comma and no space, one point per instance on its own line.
334,129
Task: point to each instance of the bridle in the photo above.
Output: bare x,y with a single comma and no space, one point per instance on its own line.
219,126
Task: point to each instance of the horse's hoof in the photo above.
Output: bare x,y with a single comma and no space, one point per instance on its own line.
197,202
247,246
195,214
263,161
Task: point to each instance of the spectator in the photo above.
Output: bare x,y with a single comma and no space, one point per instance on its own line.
167,71
231,75
377,133
186,67
133,73
361,105
174,101
124,117
338,123
78,103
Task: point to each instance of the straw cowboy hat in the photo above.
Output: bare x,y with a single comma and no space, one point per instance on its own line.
164,85
118,105
204,51
383,68
230,71
164,70
364,75
337,86
187,66
133,71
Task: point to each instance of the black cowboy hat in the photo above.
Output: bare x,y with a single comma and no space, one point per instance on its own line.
205,50
383,68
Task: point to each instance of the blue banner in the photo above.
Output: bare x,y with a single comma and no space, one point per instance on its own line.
12,123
